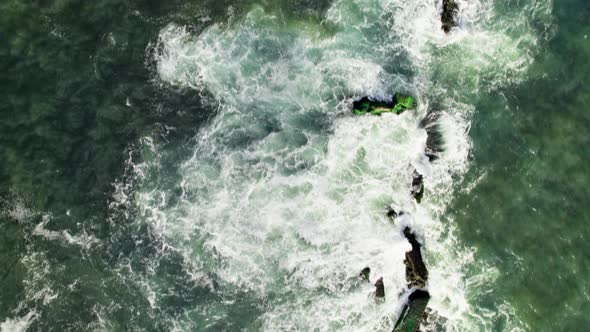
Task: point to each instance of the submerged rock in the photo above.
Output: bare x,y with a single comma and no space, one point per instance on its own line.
380,289
397,104
416,272
392,213
417,186
434,137
449,15
365,273
432,321
414,312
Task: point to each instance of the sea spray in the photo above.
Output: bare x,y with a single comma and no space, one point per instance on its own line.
266,216
282,201
292,212
325,210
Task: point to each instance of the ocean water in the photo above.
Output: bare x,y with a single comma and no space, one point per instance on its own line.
194,166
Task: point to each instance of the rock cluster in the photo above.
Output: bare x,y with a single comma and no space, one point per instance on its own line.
414,312
416,272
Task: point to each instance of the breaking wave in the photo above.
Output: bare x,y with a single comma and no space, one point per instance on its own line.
283,197
281,202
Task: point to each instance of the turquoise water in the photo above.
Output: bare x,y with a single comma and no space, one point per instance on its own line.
193,165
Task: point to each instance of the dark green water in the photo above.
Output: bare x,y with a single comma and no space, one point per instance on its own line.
80,87
528,214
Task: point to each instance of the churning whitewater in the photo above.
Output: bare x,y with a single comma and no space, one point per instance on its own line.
283,198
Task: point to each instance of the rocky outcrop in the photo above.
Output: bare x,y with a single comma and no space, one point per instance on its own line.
414,312
392,213
365,273
380,289
416,272
449,15
434,138
417,186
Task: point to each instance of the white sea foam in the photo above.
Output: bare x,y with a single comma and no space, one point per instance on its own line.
288,210
20,324
17,207
84,240
283,198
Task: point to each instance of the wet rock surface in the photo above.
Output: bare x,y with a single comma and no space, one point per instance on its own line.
416,272
414,313
392,213
380,289
449,15
417,186
434,138
365,273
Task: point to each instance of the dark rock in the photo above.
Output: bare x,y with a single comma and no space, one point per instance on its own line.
414,312
380,289
366,273
434,138
416,272
391,213
449,15
417,186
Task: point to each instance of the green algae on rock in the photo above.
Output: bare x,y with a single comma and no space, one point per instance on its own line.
378,105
